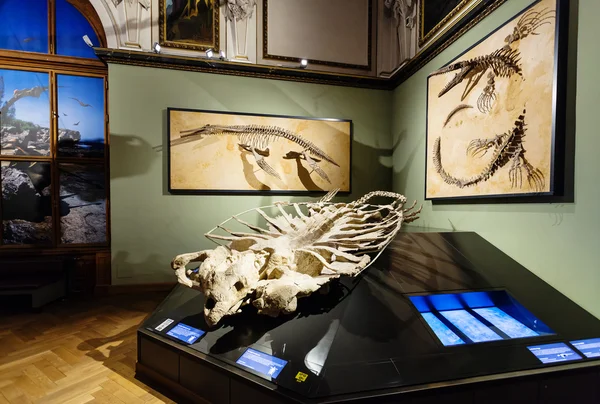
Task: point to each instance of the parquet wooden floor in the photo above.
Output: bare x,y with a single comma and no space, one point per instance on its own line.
75,352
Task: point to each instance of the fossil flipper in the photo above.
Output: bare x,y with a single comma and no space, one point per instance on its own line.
315,166
262,163
488,95
529,22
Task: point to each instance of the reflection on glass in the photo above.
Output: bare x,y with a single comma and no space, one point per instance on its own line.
505,323
80,116
25,113
316,357
26,202
71,26
82,204
470,326
24,28
445,334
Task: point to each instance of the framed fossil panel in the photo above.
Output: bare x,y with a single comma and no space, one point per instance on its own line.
223,152
495,114
189,24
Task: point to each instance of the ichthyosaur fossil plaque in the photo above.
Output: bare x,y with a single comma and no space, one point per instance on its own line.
492,112
219,151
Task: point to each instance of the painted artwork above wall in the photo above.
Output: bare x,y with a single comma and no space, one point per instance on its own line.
221,152
495,113
189,24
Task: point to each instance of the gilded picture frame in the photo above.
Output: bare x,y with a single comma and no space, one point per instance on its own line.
437,17
189,24
498,133
218,152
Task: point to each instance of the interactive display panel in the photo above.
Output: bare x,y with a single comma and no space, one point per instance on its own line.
262,363
185,333
589,347
477,317
552,353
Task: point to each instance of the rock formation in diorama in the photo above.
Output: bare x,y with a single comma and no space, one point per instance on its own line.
301,250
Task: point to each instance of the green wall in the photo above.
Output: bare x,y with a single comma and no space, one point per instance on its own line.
558,242
149,226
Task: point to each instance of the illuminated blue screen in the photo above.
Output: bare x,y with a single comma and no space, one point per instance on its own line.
505,323
444,333
470,326
476,317
185,333
552,353
261,362
589,347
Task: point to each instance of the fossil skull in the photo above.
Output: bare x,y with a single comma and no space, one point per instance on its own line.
298,254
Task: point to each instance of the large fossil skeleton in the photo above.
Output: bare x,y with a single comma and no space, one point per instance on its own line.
300,251
500,63
503,62
506,148
256,140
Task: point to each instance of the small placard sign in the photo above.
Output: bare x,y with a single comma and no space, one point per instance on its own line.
185,333
164,324
589,347
552,353
262,363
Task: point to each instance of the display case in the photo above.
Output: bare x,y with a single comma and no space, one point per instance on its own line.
438,316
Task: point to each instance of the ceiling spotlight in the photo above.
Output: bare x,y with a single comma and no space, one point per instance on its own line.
209,53
303,63
88,41
156,47
222,55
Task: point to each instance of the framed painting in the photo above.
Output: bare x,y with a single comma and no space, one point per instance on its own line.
189,24
224,152
437,17
496,113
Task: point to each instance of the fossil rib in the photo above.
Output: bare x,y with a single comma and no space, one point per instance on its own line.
506,148
454,111
256,139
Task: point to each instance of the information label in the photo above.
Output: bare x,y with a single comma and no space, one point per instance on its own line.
552,353
589,347
185,333
164,324
262,363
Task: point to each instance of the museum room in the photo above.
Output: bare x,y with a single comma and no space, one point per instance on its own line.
414,218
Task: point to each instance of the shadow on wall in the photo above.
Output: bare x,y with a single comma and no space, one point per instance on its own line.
402,170
130,156
124,269
367,172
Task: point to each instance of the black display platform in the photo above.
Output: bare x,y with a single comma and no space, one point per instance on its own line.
366,341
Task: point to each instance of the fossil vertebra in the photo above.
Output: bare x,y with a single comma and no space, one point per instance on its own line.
256,140
506,148
301,250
